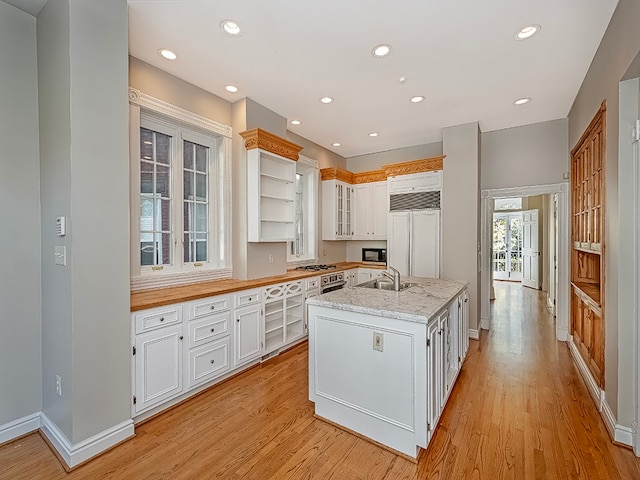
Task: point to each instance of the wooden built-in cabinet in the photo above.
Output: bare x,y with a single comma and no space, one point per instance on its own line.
588,246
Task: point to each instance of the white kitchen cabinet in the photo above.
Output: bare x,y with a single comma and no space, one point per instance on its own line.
371,205
158,366
337,205
270,197
414,242
351,277
463,326
248,326
366,274
434,375
415,182
283,315
208,361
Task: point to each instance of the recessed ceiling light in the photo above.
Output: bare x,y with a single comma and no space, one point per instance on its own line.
326,99
527,32
231,27
373,134
336,144
295,122
417,99
231,88
168,54
381,51
522,101
402,79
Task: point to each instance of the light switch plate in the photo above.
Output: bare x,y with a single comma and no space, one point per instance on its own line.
60,255
378,341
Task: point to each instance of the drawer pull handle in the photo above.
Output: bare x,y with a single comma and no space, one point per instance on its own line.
213,329
213,361
213,307
162,319
249,298
180,337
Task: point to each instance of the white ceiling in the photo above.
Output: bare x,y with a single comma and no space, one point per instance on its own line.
460,54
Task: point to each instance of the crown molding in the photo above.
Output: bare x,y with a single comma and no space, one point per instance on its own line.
370,176
415,166
258,138
335,173
147,102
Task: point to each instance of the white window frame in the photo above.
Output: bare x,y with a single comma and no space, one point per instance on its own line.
149,112
309,170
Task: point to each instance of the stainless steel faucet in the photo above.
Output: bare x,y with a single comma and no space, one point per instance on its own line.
395,277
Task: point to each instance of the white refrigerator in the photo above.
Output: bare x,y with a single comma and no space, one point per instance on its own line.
414,242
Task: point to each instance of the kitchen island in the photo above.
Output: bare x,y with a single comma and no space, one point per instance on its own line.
382,363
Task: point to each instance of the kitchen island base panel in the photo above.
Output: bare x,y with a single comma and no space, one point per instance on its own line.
367,439
378,394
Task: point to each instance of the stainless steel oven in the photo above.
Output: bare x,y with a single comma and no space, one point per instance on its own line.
332,281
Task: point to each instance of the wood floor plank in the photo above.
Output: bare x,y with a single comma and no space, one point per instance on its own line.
519,410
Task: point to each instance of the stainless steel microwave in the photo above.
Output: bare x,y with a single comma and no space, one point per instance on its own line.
374,255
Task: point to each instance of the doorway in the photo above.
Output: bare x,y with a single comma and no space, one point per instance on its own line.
507,246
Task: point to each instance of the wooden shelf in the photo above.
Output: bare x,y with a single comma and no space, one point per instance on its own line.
591,290
276,179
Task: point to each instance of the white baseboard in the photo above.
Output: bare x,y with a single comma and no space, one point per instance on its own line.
75,454
485,323
19,427
620,433
592,386
562,334
475,334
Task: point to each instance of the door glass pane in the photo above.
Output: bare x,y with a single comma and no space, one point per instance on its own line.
188,185
515,244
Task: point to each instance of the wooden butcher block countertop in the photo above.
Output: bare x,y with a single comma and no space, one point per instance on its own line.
165,296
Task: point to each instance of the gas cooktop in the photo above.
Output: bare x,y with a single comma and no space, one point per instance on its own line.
316,267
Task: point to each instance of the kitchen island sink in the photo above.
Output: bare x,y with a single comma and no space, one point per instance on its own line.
381,284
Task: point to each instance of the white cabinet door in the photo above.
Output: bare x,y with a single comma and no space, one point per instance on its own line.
337,205
363,276
425,244
362,212
379,210
158,366
248,334
434,375
398,246
463,326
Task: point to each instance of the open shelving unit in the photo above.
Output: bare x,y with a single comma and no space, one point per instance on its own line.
283,315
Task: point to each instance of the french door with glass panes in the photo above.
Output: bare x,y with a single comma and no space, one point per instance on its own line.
507,246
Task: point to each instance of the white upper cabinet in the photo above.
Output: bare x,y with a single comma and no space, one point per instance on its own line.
271,175
415,182
371,202
270,197
337,210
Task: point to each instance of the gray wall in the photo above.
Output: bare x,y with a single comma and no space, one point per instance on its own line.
534,154
164,86
461,211
618,49
374,161
20,342
84,176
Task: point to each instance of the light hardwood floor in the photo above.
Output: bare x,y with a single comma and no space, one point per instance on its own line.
519,410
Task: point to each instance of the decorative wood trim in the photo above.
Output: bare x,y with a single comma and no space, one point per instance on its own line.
369,177
596,118
258,138
415,166
335,173
156,105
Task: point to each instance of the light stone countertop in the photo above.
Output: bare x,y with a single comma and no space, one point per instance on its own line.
419,303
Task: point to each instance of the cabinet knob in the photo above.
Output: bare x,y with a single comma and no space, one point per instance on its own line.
180,337
238,320
213,307
213,361
213,329
162,319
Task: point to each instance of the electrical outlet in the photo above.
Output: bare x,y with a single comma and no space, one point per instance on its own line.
324,253
271,258
59,385
378,341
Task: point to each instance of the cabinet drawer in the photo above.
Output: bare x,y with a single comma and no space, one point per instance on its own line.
208,362
150,320
207,329
208,306
248,297
313,283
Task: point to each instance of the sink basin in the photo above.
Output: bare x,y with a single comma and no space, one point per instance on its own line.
381,284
